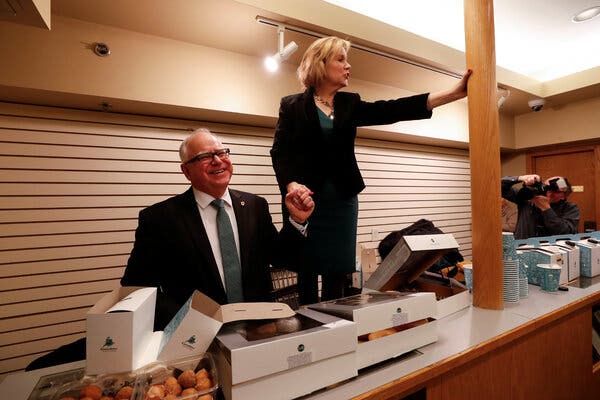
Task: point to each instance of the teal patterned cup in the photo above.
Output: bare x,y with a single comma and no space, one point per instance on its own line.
550,276
468,271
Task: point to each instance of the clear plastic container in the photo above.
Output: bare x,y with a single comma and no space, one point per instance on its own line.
47,385
191,378
112,385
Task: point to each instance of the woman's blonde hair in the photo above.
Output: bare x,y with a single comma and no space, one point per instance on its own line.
312,67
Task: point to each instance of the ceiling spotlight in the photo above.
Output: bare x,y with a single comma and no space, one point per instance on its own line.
586,14
284,52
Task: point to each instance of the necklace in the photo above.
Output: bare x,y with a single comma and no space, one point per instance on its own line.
326,104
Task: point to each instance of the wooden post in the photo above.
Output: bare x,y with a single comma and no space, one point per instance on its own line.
484,150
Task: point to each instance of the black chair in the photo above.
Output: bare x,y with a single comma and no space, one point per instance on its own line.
285,287
67,353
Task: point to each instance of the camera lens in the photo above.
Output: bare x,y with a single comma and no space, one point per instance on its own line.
529,192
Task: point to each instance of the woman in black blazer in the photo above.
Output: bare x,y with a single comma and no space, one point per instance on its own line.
313,153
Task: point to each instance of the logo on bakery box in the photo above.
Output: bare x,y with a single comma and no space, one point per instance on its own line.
109,345
191,342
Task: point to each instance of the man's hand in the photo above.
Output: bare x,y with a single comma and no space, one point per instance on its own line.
299,202
541,202
529,179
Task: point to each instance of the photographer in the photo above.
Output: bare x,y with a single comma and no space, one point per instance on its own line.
543,206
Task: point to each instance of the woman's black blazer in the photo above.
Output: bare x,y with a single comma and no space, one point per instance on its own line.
301,153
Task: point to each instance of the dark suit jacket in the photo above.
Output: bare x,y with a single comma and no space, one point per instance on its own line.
301,153
172,252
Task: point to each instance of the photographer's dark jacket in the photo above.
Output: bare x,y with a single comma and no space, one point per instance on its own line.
301,153
562,217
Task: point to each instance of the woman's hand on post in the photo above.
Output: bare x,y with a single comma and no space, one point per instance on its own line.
458,91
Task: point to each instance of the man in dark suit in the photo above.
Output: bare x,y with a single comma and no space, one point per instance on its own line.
176,245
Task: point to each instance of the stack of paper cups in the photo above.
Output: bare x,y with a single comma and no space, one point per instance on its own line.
511,281
523,280
509,251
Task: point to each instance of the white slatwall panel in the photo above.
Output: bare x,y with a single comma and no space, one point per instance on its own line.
72,184
408,182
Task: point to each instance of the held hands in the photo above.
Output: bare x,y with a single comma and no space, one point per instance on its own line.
299,202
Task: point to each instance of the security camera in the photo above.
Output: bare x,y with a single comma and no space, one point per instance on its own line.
101,49
536,104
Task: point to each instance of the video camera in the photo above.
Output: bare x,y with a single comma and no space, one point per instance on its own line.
539,189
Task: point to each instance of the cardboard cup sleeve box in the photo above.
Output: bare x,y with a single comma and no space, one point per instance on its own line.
284,365
589,263
119,330
573,259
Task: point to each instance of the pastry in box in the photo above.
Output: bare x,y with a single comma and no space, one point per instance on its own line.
191,378
101,387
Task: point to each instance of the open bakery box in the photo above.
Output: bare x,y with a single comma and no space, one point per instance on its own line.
401,302
405,270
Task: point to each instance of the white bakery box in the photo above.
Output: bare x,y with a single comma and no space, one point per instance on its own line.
119,330
566,261
589,257
404,270
573,269
120,334
263,360
388,323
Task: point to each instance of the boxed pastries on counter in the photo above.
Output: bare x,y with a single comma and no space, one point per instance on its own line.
284,358
388,323
120,334
404,270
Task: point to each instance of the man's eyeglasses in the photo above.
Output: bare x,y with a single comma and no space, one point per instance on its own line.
223,154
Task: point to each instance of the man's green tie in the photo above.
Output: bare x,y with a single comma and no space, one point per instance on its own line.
229,255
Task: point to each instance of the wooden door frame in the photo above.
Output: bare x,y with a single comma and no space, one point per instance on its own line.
572,149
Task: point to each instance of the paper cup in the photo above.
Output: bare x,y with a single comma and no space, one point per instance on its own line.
468,271
550,276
